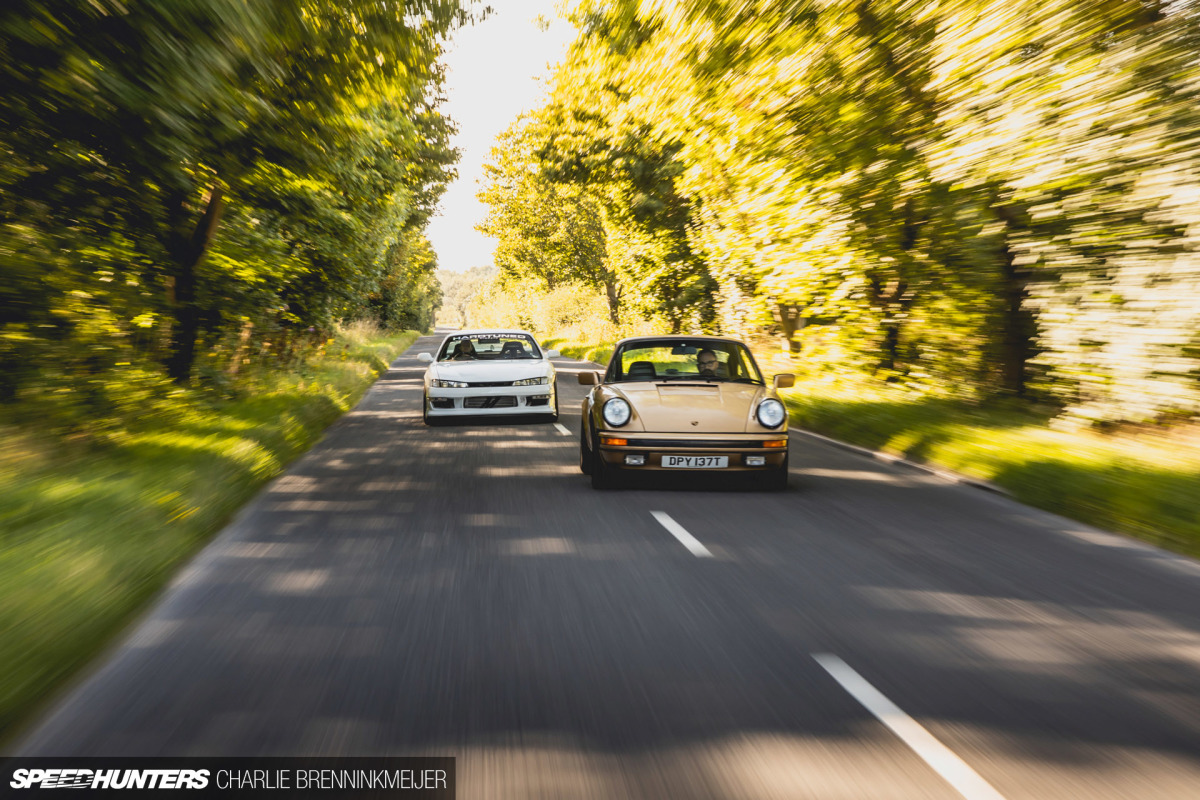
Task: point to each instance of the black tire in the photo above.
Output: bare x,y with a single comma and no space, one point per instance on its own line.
585,455
553,415
602,477
777,479
432,422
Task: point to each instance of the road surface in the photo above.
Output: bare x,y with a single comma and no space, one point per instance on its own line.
460,590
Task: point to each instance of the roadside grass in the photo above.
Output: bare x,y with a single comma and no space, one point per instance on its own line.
1146,485
90,531
585,351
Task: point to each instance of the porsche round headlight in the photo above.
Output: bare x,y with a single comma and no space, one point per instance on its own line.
616,412
771,413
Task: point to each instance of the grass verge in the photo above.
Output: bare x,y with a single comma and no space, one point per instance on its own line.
586,351
1145,485
90,532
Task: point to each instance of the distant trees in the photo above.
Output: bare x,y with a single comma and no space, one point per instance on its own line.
548,231
178,175
968,196
459,291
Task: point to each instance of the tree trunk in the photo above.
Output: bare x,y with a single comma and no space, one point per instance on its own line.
1016,347
188,252
891,301
240,352
790,321
891,345
614,301
1018,326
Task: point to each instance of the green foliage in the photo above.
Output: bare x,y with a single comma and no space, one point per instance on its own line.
569,310
92,530
184,180
590,135
547,232
459,291
597,353
409,294
969,197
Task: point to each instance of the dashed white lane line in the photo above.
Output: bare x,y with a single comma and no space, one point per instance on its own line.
562,429
943,761
680,533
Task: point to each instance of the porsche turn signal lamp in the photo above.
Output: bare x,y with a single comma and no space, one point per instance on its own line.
613,442
775,443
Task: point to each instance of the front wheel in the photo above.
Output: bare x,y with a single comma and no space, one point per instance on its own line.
777,479
430,421
585,455
553,415
601,472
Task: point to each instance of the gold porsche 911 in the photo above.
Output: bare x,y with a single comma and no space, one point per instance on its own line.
683,403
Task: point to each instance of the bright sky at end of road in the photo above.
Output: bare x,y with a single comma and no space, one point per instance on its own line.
494,73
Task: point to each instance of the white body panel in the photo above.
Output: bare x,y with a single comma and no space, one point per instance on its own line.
480,398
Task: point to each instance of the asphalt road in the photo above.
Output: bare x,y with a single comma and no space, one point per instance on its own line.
872,632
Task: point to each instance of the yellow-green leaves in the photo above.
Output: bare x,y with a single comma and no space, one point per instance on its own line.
950,194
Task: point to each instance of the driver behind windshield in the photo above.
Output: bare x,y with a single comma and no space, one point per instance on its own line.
707,363
463,351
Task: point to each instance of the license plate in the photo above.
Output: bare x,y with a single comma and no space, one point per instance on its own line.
696,462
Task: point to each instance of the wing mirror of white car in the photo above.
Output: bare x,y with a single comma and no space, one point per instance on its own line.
588,379
553,354
785,380
425,358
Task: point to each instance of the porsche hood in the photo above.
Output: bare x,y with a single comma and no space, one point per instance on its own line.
698,407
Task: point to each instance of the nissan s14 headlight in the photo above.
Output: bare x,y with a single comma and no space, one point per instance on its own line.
532,382
441,384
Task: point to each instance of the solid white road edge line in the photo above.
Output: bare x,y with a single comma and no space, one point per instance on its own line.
953,769
562,429
678,531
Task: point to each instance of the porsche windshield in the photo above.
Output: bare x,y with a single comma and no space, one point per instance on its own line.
489,347
683,360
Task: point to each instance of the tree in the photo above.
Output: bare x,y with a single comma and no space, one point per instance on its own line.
548,231
194,166
973,196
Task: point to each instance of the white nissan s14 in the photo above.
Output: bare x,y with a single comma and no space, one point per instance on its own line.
489,372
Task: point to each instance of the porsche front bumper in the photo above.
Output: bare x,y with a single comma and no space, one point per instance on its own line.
743,452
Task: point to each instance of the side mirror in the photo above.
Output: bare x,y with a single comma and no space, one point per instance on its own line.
553,354
588,379
425,358
785,380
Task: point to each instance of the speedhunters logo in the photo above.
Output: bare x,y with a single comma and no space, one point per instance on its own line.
264,778
109,779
